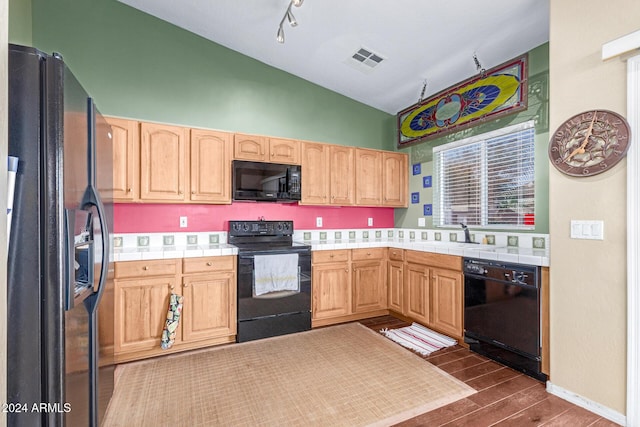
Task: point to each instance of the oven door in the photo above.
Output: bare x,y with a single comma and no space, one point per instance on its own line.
502,313
255,301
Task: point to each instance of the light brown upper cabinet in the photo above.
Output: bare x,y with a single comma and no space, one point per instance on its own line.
263,149
315,169
284,151
250,147
336,162
368,177
210,166
163,162
341,175
394,179
126,160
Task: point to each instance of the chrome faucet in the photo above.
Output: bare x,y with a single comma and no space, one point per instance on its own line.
467,236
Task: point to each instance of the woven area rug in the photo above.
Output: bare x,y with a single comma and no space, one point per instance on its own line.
346,375
419,338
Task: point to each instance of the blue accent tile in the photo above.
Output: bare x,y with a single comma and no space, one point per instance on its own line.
417,169
428,210
415,197
426,181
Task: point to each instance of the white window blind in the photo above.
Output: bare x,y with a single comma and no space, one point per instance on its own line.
487,180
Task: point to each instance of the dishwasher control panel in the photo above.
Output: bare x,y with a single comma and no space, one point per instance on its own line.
510,273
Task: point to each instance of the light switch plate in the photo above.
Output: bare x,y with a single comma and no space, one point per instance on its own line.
590,230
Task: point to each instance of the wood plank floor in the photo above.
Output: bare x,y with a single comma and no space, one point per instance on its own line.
505,397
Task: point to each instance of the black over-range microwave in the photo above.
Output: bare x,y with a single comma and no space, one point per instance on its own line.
261,181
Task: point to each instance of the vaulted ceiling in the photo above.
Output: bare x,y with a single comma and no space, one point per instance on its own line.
410,42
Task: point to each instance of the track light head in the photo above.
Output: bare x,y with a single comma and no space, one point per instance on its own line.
280,36
297,3
291,18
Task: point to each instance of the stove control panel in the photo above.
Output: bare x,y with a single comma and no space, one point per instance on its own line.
260,228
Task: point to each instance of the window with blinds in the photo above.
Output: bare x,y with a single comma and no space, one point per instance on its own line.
487,180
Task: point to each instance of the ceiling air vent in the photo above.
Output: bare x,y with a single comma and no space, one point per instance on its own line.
365,60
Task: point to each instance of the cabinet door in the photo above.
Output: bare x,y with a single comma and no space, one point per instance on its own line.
284,151
315,169
446,301
210,166
396,283
341,175
250,147
368,177
140,312
369,286
394,179
209,309
126,151
331,291
417,292
163,162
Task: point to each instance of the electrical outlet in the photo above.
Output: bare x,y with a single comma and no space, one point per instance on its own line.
183,222
319,221
370,222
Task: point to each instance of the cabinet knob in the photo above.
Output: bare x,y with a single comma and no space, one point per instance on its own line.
171,287
128,190
180,192
346,269
331,256
186,285
368,253
209,264
193,192
146,267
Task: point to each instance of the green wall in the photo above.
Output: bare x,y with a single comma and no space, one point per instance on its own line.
138,66
20,28
538,110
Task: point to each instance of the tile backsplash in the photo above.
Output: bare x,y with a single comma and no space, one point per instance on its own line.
501,239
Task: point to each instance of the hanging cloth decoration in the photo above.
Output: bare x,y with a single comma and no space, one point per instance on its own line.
173,318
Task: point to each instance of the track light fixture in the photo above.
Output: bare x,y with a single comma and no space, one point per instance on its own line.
288,15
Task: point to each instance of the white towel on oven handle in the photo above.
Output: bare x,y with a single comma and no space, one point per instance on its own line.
274,273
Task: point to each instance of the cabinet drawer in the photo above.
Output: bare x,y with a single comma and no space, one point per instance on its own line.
329,256
206,264
450,262
149,268
363,254
396,254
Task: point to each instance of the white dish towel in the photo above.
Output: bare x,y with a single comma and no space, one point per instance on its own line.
273,273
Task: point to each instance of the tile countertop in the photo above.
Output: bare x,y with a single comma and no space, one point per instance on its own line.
517,255
529,256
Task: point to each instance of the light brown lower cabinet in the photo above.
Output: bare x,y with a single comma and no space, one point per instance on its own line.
141,300
433,292
331,289
348,285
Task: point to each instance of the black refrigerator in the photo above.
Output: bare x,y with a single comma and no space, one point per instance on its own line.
59,253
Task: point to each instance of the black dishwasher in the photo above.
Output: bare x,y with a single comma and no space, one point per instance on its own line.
502,313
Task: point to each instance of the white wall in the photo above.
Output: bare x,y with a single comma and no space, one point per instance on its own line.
588,278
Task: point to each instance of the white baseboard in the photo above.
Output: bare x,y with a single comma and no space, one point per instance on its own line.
587,404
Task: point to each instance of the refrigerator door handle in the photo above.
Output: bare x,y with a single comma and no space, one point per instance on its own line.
69,265
93,199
